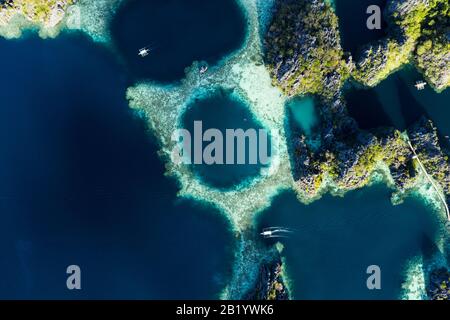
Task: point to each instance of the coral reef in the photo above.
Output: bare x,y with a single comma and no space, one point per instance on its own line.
270,284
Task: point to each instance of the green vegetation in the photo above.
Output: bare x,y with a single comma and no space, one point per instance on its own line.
379,62
368,160
36,11
432,55
419,33
303,50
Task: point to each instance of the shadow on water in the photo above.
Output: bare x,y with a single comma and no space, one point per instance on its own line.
396,102
353,23
427,103
366,108
81,183
177,32
431,252
410,108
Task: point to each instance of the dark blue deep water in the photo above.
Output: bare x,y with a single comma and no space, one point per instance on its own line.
222,110
336,239
396,102
80,183
179,32
353,23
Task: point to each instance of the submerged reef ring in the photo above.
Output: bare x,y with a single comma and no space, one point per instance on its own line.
339,165
223,119
244,73
164,106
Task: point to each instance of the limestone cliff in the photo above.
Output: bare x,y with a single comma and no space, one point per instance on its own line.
419,33
45,15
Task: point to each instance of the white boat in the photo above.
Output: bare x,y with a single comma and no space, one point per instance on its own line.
420,85
275,232
143,52
203,69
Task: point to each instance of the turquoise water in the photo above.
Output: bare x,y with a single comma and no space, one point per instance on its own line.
81,183
336,239
396,102
303,113
222,110
353,23
178,32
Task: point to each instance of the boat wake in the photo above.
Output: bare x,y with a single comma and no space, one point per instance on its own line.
276,232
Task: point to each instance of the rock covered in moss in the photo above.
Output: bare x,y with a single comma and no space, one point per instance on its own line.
349,161
270,284
439,285
418,33
302,48
425,140
432,55
18,14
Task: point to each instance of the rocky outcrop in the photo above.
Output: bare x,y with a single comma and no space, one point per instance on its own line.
432,55
418,33
18,14
425,140
348,157
270,284
349,163
439,285
303,50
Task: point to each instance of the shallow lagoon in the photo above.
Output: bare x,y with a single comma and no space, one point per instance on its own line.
302,114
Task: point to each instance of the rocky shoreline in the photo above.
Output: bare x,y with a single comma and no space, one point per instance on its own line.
46,15
418,34
439,286
348,157
305,57
270,284
303,50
